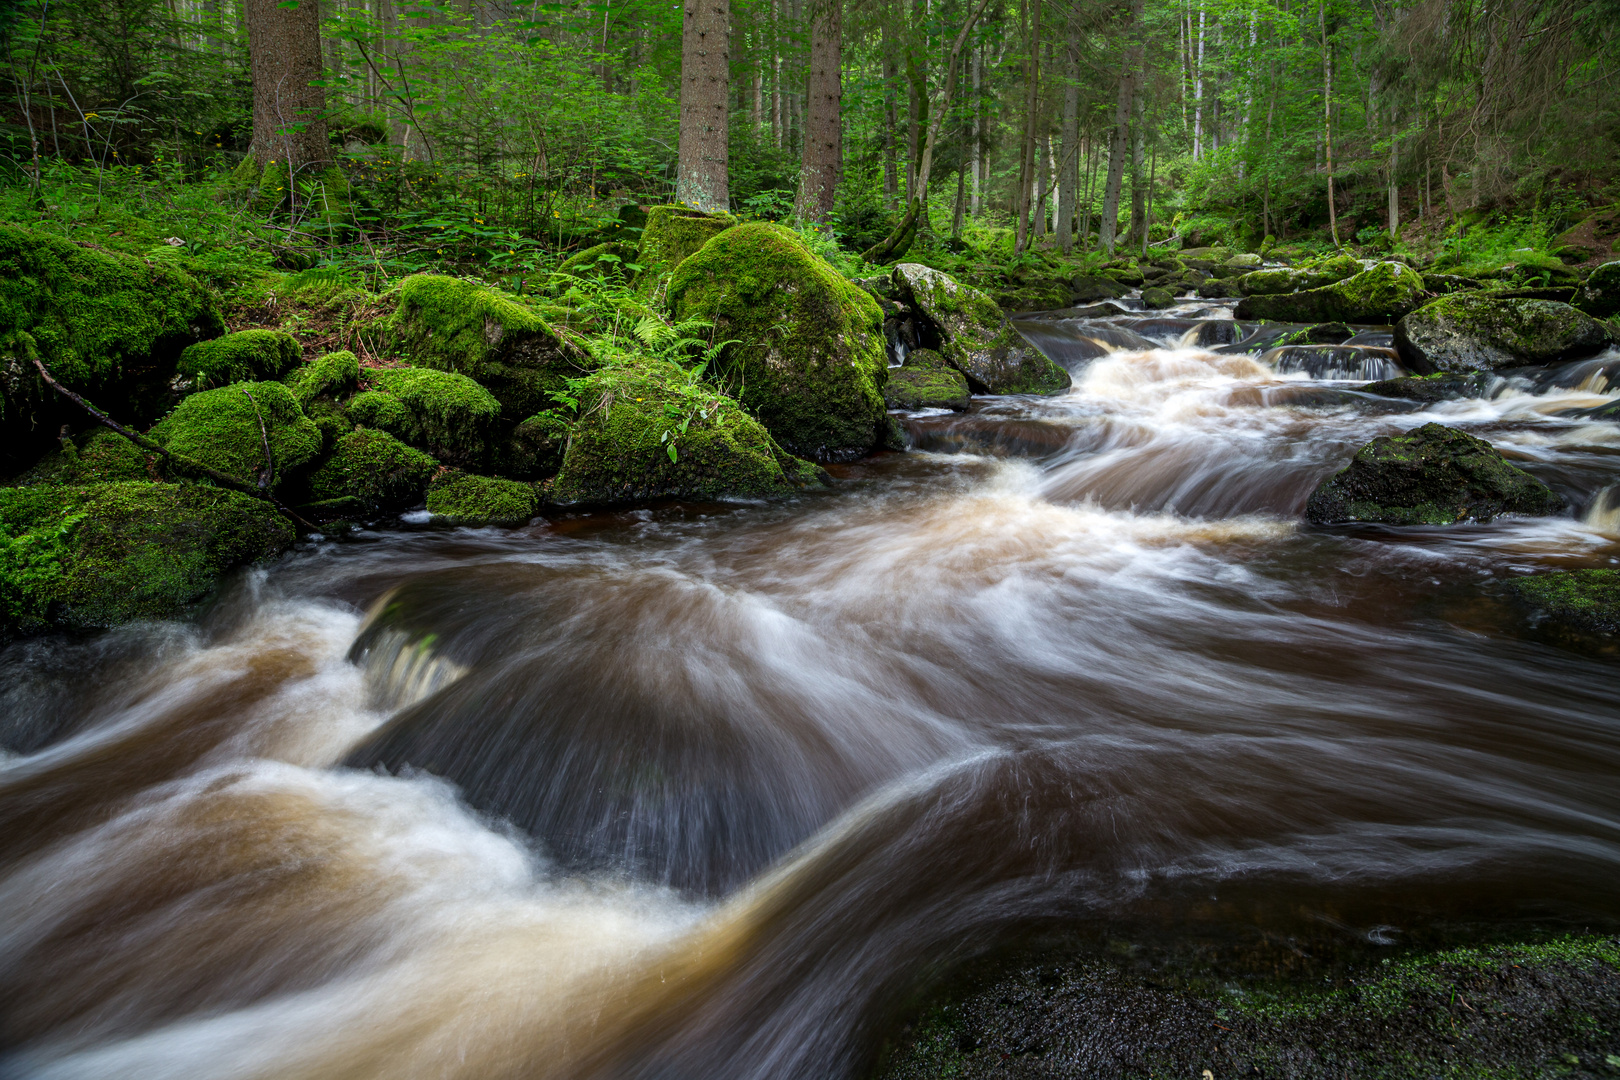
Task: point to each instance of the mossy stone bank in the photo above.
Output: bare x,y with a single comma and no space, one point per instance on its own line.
976,338
1381,294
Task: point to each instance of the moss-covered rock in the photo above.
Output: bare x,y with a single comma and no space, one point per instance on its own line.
807,356
602,260
449,415
1442,386
1269,282
226,430
245,356
109,326
1381,294
459,498
95,457
328,375
649,430
534,449
383,411
976,339
1330,268
375,468
458,326
1157,299
673,233
1432,476
1587,600
1599,295
926,382
98,555
1470,332
1088,289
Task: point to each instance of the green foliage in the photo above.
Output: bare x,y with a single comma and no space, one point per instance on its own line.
31,568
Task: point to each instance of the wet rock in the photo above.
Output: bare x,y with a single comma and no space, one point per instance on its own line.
1440,284
1444,386
459,498
245,356
926,382
1381,294
226,430
1471,332
1087,290
448,415
1243,262
1599,295
98,555
976,339
1216,289
1125,275
376,469
534,449
1334,361
453,325
808,356
1432,476
1216,332
1269,282
1157,299
647,429
1333,333
1584,600
673,233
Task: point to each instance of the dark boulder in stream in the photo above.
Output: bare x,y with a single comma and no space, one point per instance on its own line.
1444,386
976,338
1381,294
1471,332
1432,476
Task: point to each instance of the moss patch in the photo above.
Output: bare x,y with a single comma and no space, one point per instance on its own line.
95,457
926,382
221,428
1599,295
241,357
1471,332
374,467
450,415
808,357
603,260
326,376
383,411
1432,476
978,340
465,499
534,449
103,554
671,234
1584,599
1381,294
632,414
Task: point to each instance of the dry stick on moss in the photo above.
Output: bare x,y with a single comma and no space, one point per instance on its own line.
187,463
269,470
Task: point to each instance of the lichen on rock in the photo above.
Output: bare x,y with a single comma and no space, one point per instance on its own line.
245,356
226,429
1473,332
1434,475
459,498
976,338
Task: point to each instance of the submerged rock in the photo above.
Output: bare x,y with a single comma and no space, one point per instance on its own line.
1600,294
1381,294
648,429
1432,476
976,339
1470,332
459,498
374,468
807,354
98,555
926,382
226,429
1444,386
1587,600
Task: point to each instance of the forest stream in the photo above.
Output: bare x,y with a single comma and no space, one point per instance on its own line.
716,791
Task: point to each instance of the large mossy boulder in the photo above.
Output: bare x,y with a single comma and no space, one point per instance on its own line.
975,337
1585,600
1472,332
1435,475
1269,282
245,356
1089,289
671,235
647,429
453,325
534,449
448,415
108,326
926,382
226,429
807,354
97,555
100,456
1599,295
375,469
459,498
1381,294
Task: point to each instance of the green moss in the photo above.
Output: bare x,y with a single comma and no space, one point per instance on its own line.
1330,268
1599,295
327,375
632,414
607,260
465,499
1157,299
926,387
94,457
671,234
1472,332
222,429
807,356
1383,293
1269,282
241,357
1434,475
450,415
1586,599
103,554
383,411
109,326
978,339
534,449
376,468
452,325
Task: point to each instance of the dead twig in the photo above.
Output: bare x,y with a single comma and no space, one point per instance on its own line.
267,473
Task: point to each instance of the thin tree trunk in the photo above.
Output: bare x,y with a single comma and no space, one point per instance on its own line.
1032,85
891,72
1394,176
1119,143
1070,138
289,114
1327,120
978,74
1198,90
1138,226
824,128
701,179
961,191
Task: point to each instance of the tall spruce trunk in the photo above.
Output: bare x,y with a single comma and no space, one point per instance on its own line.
891,72
701,179
1070,137
1137,232
289,115
1027,160
1119,141
973,150
823,126
1394,177
1198,90
1327,122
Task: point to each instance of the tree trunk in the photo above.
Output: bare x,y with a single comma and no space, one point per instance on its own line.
823,128
701,179
978,75
961,186
1327,121
1136,234
891,72
1119,142
1394,180
1027,159
1070,137
289,115
1198,90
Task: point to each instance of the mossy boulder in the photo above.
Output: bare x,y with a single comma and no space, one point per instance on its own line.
452,325
807,356
1381,294
1319,272
245,356
459,498
328,375
1471,332
1599,295
1442,386
601,260
226,429
1435,475
1269,282
647,429
1157,299
448,415
1587,600
534,449
110,326
672,234
375,468
97,555
926,382
976,338
1088,289
99,456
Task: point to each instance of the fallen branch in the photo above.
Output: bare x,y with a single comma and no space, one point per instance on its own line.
899,240
268,473
185,463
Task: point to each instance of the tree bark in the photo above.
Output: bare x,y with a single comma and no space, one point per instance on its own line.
1028,159
701,179
1136,234
978,75
1119,141
1198,90
1394,180
1327,121
823,129
891,72
289,115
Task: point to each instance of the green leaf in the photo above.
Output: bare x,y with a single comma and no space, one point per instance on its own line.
672,456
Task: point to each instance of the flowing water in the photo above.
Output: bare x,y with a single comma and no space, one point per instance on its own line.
709,791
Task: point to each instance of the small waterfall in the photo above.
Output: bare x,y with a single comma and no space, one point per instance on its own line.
401,666
1348,362
1603,513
